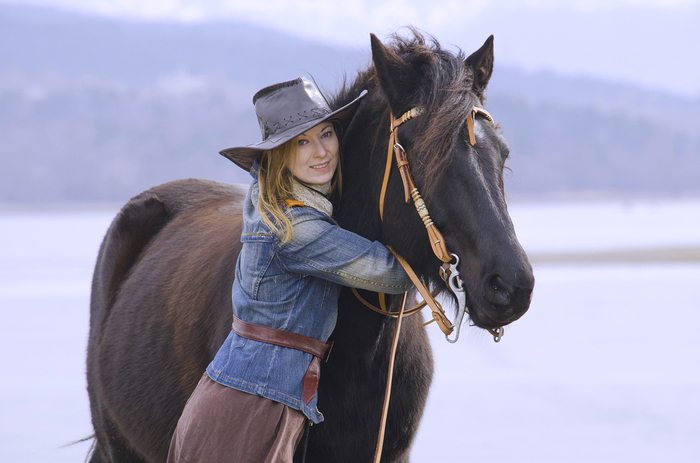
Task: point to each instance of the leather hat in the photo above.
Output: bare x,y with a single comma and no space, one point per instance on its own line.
285,111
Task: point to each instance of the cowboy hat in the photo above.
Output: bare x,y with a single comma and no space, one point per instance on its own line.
285,111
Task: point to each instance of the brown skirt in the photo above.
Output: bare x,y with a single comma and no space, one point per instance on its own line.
222,424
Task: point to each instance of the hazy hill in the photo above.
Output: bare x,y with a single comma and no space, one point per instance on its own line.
95,109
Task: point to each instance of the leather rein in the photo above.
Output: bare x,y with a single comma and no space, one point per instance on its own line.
448,270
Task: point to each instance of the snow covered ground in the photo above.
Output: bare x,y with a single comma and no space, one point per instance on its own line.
605,367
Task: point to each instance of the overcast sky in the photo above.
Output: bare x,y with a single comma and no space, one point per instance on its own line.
651,43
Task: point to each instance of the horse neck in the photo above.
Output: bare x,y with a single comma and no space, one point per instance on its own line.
364,152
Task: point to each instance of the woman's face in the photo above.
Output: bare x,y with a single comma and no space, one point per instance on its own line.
317,155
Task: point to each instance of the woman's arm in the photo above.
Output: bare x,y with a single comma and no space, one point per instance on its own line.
325,250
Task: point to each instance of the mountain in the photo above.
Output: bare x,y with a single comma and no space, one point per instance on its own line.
96,109
575,135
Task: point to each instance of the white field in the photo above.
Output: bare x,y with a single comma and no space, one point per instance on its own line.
605,367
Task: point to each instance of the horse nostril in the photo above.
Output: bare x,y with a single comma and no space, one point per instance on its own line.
497,291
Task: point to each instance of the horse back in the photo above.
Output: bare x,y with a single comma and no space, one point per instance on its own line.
160,309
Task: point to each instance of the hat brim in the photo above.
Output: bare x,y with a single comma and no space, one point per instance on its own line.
244,156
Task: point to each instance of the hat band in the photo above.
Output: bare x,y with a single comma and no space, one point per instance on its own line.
292,121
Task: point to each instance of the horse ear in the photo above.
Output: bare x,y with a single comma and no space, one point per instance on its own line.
396,77
481,62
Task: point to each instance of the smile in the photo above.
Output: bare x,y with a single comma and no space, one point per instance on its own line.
321,166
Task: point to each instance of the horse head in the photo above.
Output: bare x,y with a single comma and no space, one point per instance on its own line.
456,157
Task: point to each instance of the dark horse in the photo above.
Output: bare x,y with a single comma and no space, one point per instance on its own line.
161,293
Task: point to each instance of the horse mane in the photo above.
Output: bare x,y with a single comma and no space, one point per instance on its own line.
445,91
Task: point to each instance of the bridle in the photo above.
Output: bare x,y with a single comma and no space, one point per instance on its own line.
448,270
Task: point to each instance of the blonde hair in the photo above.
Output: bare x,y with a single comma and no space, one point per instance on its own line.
275,187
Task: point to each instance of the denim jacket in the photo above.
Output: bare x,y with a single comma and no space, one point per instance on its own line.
294,286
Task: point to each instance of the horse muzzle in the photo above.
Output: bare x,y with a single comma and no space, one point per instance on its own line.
501,301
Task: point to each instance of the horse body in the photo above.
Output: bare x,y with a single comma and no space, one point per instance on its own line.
155,321
161,303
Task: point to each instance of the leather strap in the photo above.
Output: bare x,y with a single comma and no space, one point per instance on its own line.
437,242
394,124
404,169
389,380
293,341
470,122
382,304
438,312
470,129
280,338
387,171
311,379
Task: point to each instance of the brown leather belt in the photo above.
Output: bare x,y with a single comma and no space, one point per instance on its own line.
293,341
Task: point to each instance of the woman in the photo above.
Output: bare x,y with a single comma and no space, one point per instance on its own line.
261,388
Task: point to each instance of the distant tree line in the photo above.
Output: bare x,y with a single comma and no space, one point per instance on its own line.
98,110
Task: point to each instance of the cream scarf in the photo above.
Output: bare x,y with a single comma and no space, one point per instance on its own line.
313,196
